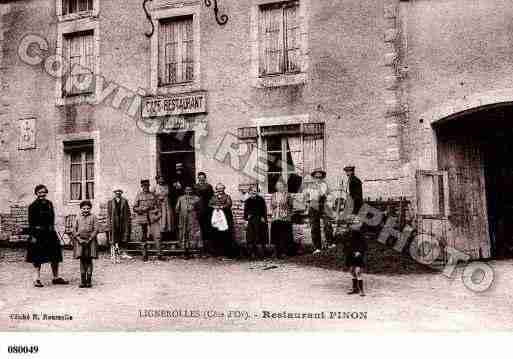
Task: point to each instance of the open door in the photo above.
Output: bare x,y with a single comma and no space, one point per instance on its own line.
462,158
177,147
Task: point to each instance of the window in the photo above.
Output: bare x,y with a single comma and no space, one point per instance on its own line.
283,154
289,152
279,37
76,6
176,51
81,170
79,56
432,194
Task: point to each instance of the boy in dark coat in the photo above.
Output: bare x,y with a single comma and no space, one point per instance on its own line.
355,248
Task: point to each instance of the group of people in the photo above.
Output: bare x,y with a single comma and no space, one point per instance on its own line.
182,213
188,213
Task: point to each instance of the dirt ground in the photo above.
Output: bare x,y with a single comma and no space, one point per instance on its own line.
200,294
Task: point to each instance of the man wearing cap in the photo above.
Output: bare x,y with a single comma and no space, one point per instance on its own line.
146,208
316,194
354,190
120,222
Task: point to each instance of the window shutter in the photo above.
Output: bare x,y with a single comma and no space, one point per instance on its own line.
176,51
432,194
66,71
89,53
188,51
313,148
248,154
272,40
292,47
168,53
262,42
78,50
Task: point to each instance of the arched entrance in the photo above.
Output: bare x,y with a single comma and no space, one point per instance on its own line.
475,149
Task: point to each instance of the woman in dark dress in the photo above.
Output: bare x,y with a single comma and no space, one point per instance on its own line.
44,245
221,223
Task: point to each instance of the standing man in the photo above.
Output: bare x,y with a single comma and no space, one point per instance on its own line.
177,189
205,192
316,195
167,213
120,222
255,213
146,207
180,180
354,191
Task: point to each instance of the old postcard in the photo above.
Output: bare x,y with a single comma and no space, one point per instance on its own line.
255,166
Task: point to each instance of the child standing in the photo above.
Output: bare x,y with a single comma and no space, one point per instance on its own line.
85,245
186,207
355,248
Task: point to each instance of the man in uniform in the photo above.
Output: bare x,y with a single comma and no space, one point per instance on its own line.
146,208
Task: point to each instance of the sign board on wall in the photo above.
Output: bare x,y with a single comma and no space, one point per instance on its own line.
27,134
173,105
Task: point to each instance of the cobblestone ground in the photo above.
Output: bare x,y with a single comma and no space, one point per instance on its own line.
405,302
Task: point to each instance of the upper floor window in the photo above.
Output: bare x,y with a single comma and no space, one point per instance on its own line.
76,6
176,51
79,55
279,37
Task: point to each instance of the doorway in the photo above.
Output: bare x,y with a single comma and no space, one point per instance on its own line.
476,151
173,148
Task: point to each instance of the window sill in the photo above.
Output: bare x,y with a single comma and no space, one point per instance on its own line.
179,88
79,99
78,15
433,216
76,202
281,80
72,202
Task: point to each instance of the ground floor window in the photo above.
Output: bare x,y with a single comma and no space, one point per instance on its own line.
288,152
79,156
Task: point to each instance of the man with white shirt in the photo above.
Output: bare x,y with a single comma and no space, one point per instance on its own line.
316,195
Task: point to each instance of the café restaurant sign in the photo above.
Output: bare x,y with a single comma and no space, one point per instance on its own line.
173,105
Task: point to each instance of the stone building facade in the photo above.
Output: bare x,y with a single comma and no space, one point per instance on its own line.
95,96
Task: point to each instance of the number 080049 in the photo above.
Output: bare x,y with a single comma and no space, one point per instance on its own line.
22,349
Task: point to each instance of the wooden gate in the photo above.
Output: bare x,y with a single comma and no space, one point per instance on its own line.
461,157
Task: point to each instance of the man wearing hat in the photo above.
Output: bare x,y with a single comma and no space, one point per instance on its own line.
354,190
316,194
146,209
120,223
